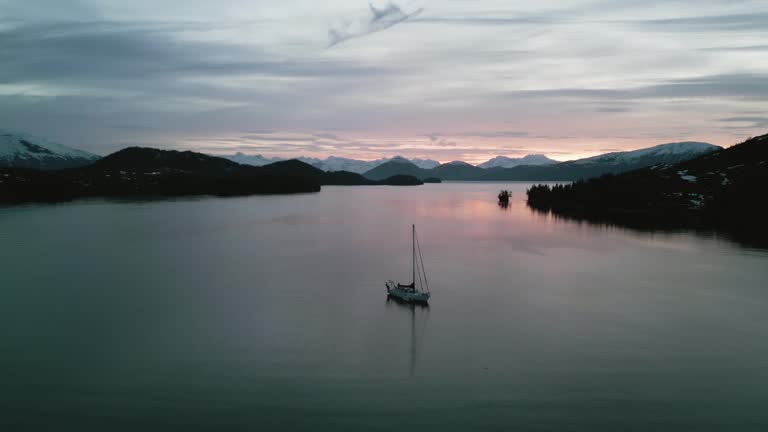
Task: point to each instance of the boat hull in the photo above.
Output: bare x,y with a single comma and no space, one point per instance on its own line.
407,294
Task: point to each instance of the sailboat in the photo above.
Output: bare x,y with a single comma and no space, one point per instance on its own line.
412,292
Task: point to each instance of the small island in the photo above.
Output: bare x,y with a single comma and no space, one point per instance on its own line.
504,198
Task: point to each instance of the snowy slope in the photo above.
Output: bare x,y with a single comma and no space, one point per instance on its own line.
334,163
507,162
662,153
28,151
255,160
425,163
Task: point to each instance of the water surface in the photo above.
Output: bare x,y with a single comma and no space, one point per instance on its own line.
270,313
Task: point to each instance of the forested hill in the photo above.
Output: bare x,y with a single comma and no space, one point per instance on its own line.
725,189
140,172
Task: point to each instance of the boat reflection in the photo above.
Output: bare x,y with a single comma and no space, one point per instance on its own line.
410,305
417,331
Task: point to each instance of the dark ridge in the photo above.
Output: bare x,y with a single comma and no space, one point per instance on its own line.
293,167
147,172
344,178
335,178
145,158
397,167
34,148
721,192
401,180
458,171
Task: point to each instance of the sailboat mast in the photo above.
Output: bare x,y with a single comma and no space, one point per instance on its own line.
413,261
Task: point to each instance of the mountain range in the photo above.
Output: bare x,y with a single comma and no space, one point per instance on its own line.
335,163
608,163
26,151
507,162
331,163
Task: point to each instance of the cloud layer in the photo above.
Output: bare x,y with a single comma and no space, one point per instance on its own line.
446,80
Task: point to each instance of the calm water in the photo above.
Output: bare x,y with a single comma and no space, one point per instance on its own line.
270,313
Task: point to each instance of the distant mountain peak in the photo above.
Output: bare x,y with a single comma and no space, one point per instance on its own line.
19,149
425,163
508,162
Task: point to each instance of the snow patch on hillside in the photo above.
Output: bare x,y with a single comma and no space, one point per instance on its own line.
255,160
507,162
679,150
16,144
25,150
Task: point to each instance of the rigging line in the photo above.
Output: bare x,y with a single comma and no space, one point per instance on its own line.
418,245
421,261
417,267
420,269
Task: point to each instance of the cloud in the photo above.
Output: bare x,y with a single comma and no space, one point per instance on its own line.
134,127
732,22
439,141
613,109
378,20
493,134
328,136
749,48
740,86
480,134
111,51
753,121
95,74
745,86
272,138
484,21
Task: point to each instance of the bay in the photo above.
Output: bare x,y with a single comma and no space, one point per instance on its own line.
270,312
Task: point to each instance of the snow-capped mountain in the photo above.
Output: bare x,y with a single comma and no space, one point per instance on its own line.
255,160
425,163
533,166
662,153
332,163
28,151
507,162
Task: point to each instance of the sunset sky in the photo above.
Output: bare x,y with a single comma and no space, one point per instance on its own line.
450,79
